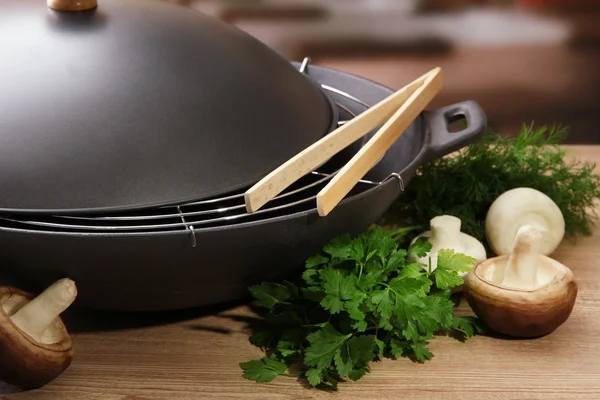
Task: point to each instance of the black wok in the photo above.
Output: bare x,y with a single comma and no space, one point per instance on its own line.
174,269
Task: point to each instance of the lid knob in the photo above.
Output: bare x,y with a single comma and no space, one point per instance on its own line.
72,5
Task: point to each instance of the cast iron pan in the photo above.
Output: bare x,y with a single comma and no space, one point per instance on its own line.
141,103
163,270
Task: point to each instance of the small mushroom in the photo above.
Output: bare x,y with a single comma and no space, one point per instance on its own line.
445,233
523,206
35,346
524,293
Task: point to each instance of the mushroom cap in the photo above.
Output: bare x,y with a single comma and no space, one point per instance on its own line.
523,206
24,361
522,313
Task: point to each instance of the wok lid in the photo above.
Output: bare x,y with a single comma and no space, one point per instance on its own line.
141,103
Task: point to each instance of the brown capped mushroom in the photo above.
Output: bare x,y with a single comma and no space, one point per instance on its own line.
524,293
35,346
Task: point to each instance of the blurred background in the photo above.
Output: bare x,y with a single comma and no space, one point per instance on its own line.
523,60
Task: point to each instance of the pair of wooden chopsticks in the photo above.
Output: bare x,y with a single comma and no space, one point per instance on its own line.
398,111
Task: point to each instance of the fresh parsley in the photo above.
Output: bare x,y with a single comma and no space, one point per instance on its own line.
359,301
466,183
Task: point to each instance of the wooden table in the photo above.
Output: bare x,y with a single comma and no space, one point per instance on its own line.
195,355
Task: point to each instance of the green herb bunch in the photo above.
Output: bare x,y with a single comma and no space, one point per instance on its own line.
466,184
359,300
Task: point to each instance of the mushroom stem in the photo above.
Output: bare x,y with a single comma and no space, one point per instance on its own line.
521,268
35,317
445,234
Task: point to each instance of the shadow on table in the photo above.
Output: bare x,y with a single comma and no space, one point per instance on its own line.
80,320
90,320
6,389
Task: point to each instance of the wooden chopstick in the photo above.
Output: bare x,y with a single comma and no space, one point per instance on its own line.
376,147
321,151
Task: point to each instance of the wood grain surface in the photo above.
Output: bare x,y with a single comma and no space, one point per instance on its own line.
195,355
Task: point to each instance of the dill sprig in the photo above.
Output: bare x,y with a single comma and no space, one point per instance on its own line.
466,183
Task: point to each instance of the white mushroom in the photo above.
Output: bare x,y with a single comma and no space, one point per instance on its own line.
445,233
523,206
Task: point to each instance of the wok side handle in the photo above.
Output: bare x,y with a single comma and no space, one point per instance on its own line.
442,141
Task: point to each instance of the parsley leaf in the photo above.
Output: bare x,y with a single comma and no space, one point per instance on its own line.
380,348
342,293
264,338
420,247
314,376
410,331
289,341
469,326
403,285
357,251
354,354
449,263
270,294
315,261
462,325
381,242
435,315
367,281
359,300
444,278
397,348
333,280
339,247
312,293
324,344
356,374
396,260
412,270
310,276
264,370
385,304
452,261
421,352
